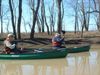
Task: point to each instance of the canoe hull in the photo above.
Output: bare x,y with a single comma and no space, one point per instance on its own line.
84,48
42,55
59,53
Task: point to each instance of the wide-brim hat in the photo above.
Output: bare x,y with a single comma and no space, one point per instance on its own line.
57,34
10,35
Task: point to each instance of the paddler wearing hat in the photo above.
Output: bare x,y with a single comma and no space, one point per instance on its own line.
57,41
9,46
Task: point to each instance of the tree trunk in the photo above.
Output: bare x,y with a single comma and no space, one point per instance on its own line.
52,18
47,26
42,15
8,26
34,20
19,19
99,16
0,7
59,23
38,24
1,16
12,18
1,20
24,24
76,17
88,17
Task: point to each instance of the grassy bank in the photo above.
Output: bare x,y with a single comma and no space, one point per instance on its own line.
43,40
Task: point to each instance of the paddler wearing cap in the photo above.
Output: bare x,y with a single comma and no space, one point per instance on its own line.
57,41
9,46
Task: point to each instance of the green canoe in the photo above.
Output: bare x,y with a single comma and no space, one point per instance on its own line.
45,53
82,48
37,54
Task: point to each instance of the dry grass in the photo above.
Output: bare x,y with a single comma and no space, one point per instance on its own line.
89,36
67,35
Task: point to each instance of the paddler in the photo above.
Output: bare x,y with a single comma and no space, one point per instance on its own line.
9,46
57,41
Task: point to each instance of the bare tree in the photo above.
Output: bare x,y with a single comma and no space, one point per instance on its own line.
12,18
96,12
1,16
19,19
76,16
85,16
0,6
59,23
34,19
52,18
39,23
24,24
43,17
88,16
98,25
8,25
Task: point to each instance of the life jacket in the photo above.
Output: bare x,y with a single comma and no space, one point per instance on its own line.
56,43
7,50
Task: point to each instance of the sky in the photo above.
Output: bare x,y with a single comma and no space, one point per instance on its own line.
68,22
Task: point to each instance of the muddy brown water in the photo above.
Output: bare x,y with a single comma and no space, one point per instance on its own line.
85,63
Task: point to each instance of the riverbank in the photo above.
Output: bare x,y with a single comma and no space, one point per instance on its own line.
42,40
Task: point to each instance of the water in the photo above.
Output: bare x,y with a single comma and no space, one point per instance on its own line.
86,63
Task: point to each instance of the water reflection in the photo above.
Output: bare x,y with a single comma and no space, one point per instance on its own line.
32,67
87,63
84,64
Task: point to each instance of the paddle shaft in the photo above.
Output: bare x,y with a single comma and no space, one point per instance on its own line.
63,32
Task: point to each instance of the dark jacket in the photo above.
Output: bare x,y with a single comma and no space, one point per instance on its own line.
57,41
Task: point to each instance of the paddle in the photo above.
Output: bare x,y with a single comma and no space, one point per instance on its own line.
63,32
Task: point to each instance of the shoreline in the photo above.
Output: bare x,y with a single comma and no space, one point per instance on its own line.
42,39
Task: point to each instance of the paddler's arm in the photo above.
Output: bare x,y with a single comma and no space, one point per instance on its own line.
9,45
60,39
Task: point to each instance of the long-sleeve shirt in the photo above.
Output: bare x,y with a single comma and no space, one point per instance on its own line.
57,41
9,45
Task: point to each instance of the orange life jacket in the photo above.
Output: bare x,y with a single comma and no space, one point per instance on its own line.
7,50
56,43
